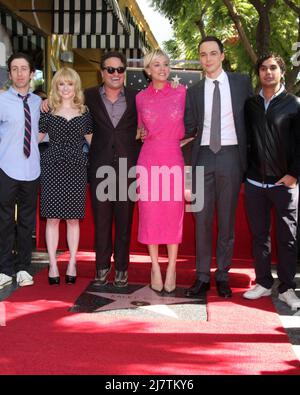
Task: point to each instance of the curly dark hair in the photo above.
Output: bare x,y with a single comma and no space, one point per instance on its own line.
278,59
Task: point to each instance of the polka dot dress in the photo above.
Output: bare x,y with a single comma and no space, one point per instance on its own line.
64,166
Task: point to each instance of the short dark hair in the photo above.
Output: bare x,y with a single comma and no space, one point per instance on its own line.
212,38
21,55
112,54
267,56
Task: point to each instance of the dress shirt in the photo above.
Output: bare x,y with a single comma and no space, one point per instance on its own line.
115,110
228,133
267,102
12,159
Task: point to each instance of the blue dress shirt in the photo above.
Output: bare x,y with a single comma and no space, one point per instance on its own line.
12,159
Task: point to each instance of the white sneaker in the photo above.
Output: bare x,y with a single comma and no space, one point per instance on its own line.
290,298
24,278
257,292
5,280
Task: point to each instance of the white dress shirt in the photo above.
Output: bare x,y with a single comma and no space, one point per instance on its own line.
228,133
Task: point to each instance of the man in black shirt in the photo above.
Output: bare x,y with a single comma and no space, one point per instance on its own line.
273,136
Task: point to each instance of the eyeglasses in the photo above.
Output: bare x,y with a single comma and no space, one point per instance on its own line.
111,70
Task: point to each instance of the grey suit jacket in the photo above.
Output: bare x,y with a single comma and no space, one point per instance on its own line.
241,89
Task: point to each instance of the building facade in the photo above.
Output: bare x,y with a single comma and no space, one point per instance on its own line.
73,32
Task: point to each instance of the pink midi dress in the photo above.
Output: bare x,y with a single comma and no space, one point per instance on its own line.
160,170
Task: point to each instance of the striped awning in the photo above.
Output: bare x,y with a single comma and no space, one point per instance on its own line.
97,24
28,43
141,36
88,17
22,37
118,13
134,40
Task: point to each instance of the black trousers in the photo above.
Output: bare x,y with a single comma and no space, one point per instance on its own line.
222,181
259,202
105,214
24,193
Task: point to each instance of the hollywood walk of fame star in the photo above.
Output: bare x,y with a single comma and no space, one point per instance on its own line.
138,297
176,79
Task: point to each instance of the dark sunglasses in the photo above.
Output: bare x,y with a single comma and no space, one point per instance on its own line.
111,70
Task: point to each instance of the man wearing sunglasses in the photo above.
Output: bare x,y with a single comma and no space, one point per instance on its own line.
115,124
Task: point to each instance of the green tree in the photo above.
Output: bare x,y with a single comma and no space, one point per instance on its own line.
247,28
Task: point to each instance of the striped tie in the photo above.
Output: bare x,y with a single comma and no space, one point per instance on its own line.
27,131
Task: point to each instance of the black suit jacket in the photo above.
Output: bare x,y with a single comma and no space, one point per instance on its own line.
241,89
109,142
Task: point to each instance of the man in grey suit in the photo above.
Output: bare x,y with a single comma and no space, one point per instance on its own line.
215,109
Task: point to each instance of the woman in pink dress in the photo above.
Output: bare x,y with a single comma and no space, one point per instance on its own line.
161,173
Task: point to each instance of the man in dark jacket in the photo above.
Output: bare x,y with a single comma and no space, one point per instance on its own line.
273,130
115,125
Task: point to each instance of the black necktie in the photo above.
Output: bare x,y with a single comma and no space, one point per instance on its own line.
215,127
27,131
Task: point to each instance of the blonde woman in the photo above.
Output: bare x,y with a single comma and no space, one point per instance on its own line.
160,112
64,166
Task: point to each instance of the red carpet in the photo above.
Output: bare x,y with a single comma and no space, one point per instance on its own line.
242,246
241,337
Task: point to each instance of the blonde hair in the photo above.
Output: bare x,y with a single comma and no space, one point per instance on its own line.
152,55
68,75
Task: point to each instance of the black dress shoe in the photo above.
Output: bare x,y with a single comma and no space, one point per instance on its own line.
197,288
102,274
70,279
121,279
223,289
54,280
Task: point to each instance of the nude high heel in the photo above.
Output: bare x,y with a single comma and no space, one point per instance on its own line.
170,283
156,281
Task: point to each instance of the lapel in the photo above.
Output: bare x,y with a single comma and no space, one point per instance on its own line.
128,105
199,101
234,92
99,103
235,102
